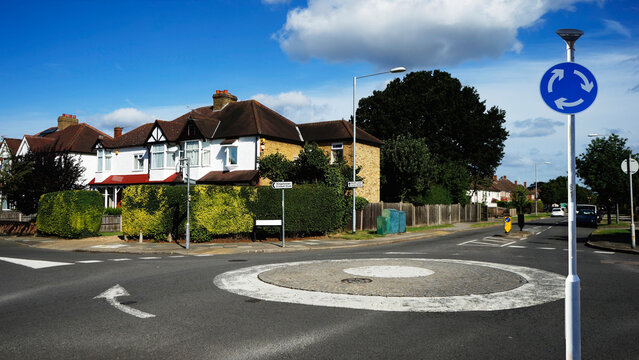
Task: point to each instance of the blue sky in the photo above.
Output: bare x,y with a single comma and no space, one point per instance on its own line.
128,62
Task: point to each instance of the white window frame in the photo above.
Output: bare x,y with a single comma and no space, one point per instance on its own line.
108,156
198,151
336,147
172,156
205,153
227,157
155,153
138,162
100,156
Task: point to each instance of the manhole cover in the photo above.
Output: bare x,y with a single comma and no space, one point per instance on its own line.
356,280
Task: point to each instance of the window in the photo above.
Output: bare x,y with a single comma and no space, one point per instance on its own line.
206,153
100,157
337,152
193,152
157,156
138,162
5,204
172,156
107,160
231,155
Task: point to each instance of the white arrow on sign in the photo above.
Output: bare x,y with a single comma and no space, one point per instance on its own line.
561,102
118,291
587,85
557,74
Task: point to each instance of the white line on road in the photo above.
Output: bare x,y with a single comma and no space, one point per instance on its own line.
604,252
466,242
517,246
89,261
176,256
120,259
34,264
149,258
546,248
512,242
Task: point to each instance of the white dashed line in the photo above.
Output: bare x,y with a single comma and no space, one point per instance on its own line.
517,246
176,256
604,252
89,261
120,259
546,248
512,242
204,255
149,258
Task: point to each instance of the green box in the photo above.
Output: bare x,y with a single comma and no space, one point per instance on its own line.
383,225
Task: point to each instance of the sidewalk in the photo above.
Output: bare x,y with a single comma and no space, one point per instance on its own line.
113,244
613,242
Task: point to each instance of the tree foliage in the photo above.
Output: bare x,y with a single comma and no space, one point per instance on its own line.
452,119
30,176
519,199
407,168
555,191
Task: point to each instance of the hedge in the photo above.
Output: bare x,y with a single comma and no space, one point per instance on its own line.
156,210
70,214
220,210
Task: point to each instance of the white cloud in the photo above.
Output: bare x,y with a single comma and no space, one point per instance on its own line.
126,117
537,127
301,108
617,28
412,33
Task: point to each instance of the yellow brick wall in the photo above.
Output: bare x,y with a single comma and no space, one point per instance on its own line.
269,147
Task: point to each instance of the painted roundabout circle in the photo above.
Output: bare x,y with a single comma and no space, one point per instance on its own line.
397,284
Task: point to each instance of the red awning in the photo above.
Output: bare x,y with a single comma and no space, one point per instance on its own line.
135,179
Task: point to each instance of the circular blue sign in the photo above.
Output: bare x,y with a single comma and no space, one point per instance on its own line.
568,88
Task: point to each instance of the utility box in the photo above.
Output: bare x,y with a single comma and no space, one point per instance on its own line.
383,225
402,221
393,217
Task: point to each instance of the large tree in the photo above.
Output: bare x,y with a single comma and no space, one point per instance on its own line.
407,169
555,191
452,119
31,175
600,169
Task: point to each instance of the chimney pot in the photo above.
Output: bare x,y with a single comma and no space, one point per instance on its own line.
525,184
222,98
494,177
117,132
515,182
226,91
66,120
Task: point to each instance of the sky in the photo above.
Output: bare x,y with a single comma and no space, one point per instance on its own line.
125,63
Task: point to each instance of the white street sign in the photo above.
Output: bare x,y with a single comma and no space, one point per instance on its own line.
634,166
355,184
282,185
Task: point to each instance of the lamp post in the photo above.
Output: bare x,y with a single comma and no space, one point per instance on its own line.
188,198
393,70
536,190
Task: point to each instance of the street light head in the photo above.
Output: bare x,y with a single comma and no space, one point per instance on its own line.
398,69
546,162
569,35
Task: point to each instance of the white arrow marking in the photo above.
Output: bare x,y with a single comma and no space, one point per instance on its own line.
587,85
561,103
34,264
556,74
117,291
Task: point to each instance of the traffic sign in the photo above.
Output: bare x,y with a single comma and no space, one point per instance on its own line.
634,166
355,184
282,185
568,88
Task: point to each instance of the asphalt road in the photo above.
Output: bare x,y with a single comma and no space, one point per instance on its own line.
52,312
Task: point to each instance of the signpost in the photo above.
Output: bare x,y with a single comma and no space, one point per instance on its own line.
355,184
570,88
630,167
282,185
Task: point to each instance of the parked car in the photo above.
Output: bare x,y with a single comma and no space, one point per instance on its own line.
557,212
586,217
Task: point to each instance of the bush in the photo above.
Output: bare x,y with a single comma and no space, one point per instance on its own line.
360,203
112,211
71,213
220,210
156,210
310,209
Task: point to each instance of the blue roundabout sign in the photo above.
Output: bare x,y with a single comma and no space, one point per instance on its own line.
568,88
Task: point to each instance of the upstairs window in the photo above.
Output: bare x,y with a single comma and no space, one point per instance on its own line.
206,153
100,159
337,152
138,162
172,155
157,156
231,155
107,160
193,152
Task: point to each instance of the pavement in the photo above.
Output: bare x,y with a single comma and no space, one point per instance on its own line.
113,244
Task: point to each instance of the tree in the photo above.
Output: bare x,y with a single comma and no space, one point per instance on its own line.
519,200
311,165
407,169
276,167
31,175
599,168
450,117
555,191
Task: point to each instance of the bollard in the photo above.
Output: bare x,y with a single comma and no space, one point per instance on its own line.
140,236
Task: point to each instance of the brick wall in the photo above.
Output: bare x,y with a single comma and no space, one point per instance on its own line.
269,147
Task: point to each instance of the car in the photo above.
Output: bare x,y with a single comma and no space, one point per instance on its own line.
586,217
557,212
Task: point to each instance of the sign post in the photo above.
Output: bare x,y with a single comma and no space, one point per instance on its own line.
282,185
570,88
630,167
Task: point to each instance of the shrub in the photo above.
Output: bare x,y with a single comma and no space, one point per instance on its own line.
71,213
310,209
220,210
112,211
156,210
360,203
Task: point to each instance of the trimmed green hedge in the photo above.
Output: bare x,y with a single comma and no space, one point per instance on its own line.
71,213
220,210
156,210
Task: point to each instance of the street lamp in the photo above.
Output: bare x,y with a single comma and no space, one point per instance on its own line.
393,70
188,198
537,191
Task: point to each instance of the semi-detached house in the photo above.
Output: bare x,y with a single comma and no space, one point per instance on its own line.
223,144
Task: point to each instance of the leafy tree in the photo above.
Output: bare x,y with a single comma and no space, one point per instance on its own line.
599,167
555,191
407,168
276,167
311,165
451,118
31,175
519,200
455,179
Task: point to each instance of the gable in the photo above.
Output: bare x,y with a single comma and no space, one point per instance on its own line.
156,135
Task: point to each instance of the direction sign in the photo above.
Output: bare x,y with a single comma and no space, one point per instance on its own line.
634,166
355,184
282,185
568,88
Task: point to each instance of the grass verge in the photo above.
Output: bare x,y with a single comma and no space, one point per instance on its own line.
422,228
112,233
486,224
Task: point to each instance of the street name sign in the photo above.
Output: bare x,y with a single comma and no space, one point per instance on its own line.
634,166
282,185
568,88
355,184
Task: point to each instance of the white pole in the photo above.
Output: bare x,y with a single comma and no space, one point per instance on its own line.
536,192
188,203
632,209
572,305
354,142
283,218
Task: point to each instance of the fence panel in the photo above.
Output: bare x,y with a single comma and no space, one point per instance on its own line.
111,223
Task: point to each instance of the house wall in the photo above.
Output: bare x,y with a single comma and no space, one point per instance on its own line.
269,147
368,157
90,164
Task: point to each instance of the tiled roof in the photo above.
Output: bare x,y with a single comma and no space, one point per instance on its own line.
13,144
336,130
230,177
78,138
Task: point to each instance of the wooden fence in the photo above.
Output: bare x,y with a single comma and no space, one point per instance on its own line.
111,223
15,216
425,215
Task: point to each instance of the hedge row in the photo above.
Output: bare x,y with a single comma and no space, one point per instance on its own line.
160,210
70,214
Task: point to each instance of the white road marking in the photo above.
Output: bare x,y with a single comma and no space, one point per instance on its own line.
517,246
117,291
120,259
512,242
604,252
204,255
34,264
113,246
466,242
176,256
89,261
149,258
546,248
541,287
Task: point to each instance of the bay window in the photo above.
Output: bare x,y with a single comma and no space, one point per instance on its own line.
157,156
193,152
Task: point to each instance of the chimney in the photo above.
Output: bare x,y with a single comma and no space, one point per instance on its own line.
65,121
117,132
222,98
525,185
494,177
515,182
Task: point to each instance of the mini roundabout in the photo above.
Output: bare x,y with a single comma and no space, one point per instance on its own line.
420,285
